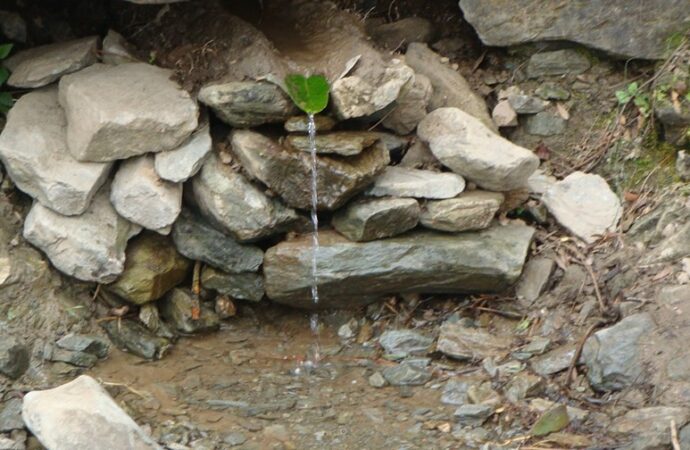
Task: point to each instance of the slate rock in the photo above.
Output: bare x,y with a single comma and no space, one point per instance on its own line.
300,124
94,345
584,204
184,162
33,149
416,183
552,91
74,358
198,241
535,278
371,219
467,147
344,143
116,112
177,308
673,248
96,253
526,104
650,427
80,415
132,337
473,210
545,123
473,414
468,343
14,357
243,286
455,392
40,66
11,415
405,374
403,343
558,62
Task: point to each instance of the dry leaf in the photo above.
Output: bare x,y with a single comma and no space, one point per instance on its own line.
631,196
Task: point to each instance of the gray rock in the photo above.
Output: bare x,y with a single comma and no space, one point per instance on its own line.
243,286
398,34
473,414
372,219
419,156
185,161
455,392
526,104
585,205
300,124
403,343
672,248
177,309
74,358
650,427
287,171
377,380
504,115
450,89
534,278
682,165
559,62
41,66
411,106
11,416
150,316
116,49
352,274
523,385
403,182
674,116
545,123
14,357
16,441
130,336
461,342
80,415
237,207
345,143
552,91
198,241
234,439
116,112
613,355
93,345
96,253
467,147
246,104
140,196
13,26
405,374
628,31
473,210
33,148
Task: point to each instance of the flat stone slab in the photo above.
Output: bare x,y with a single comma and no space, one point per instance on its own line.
473,210
96,253
140,196
235,206
288,172
33,148
80,415
244,286
416,183
352,273
469,148
116,112
371,219
184,162
345,143
300,124
466,343
584,204
42,65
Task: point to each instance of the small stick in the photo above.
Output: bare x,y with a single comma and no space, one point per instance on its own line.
196,290
578,352
674,435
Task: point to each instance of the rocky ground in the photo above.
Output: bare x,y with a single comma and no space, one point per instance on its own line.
587,350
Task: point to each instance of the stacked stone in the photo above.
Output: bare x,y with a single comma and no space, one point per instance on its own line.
107,150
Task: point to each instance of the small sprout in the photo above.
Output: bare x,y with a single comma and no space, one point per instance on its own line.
310,94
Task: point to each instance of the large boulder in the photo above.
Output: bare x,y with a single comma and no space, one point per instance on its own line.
631,30
468,147
96,252
80,415
33,148
354,273
287,171
115,112
237,207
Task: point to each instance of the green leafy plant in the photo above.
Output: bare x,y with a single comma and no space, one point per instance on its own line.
310,94
633,93
6,100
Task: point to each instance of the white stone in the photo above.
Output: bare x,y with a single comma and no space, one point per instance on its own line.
585,205
403,182
411,105
185,161
115,49
41,66
116,112
80,415
540,182
33,148
504,115
468,147
90,247
472,210
140,196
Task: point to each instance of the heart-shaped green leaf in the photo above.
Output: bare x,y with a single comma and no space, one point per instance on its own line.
5,50
309,94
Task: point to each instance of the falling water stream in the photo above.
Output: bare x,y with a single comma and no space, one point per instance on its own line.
314,321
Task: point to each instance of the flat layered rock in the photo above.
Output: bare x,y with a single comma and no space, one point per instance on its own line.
237,207
184,162
244,286
116,112
416,183
199,241
584,204
33,148
80,415
300,124
344,143
466,343
40,66
287,171
246,104
472,210
351,273
371,219
140,196
467,147
96,253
